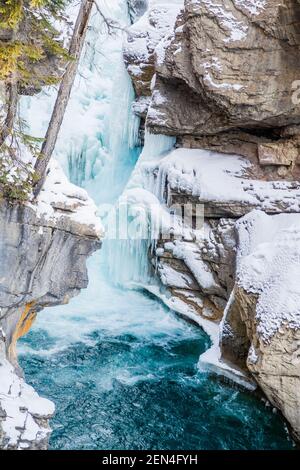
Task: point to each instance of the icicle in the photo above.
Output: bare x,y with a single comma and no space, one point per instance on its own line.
129,259
123,132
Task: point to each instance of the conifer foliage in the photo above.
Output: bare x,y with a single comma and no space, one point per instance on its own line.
31,56
27,38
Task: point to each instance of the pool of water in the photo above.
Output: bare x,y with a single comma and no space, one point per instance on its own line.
122,371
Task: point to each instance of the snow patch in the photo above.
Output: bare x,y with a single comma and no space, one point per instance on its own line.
60,198
217,177
21,405
269,267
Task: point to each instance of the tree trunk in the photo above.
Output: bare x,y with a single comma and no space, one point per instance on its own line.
12,106
64,92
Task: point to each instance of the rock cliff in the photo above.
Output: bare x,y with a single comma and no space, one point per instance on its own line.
266,300
43,248
222,78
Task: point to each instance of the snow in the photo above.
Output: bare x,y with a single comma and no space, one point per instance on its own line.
170,277
203,173
215,65
269,267
153,31
140,105
252,355
254,7
21,404
218,177
160,50
190,254
60,198
223,86
236,30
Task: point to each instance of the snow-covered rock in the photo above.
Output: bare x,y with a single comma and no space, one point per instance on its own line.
241,276
144,41
225,184
65,205
222,78
44,247
24,415
262,321
230,64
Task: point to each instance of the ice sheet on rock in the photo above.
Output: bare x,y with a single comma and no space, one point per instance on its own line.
269,267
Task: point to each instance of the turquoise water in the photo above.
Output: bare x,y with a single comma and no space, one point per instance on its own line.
122,370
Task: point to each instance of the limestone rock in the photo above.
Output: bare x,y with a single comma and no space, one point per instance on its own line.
44,247
227,186
24,416
224,78
283,153
144,36
230,64
261,328
275,156
200,273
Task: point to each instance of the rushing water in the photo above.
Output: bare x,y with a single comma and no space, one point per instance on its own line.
120,367
122,370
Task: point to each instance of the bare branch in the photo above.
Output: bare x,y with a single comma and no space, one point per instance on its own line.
110,23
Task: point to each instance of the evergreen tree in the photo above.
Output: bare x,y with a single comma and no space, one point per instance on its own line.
31,56
27,37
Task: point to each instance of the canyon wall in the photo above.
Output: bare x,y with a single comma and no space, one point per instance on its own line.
43,248
222,78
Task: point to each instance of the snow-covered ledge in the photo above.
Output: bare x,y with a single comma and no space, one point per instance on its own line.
65,205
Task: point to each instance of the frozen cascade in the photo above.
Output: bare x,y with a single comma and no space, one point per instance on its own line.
155,148
105,132
143,217
101,157
100,149
123,142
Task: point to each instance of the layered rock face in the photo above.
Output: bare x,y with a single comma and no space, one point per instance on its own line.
43,248
229,64
223,79
226,68
266,300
